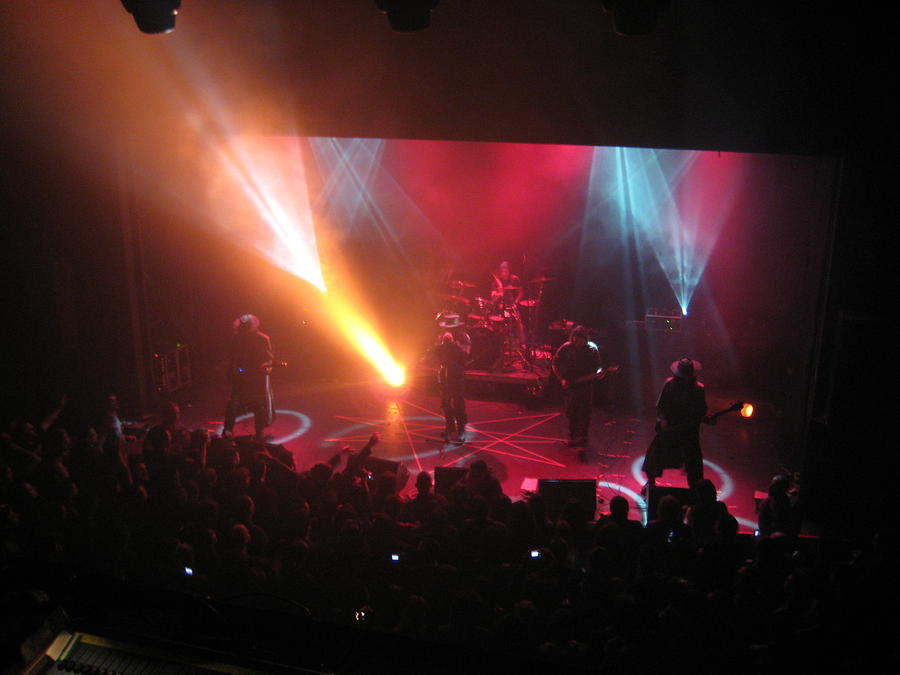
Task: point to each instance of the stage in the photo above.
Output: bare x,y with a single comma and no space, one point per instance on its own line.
521,439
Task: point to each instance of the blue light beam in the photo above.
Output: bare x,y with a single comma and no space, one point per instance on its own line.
650,208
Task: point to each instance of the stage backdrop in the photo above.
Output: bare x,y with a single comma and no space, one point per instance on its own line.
733,242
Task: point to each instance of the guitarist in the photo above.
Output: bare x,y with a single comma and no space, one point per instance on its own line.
249,366
576,364
680,410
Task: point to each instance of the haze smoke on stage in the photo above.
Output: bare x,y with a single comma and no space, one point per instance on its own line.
261,198
264,202
348,166
666,200
361,193
268,173
373,348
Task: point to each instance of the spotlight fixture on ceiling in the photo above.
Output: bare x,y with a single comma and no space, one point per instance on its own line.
407,16
634,17
153,16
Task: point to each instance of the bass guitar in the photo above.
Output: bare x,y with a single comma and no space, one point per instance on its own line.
590,377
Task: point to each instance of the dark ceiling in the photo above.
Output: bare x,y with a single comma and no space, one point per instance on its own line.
789,77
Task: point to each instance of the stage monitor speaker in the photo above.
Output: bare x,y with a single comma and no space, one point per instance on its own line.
685,497
378,466
445,477
557,491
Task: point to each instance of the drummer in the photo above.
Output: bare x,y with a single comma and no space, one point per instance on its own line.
506,287
506,293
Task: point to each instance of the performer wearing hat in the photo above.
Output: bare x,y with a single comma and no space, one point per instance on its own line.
249,367
680,410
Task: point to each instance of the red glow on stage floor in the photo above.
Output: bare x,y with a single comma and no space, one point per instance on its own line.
520,444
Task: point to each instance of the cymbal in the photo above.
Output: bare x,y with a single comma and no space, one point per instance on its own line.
455,298
541,280
461,284
528,303
512,288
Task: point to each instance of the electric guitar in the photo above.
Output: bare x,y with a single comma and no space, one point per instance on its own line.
264,369
665,451
599,375
708,419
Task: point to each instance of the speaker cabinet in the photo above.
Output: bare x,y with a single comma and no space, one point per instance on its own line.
557,491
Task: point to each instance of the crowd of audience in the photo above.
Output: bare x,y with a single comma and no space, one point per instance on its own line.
229,517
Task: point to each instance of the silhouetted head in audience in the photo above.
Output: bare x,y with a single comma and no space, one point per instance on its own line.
705,491
726,527
478,470
239,481
521,517
199,439
538,506
669,511
575,514
171,414
159,440
618,508
779,486
243,509
236,540
57,445
320,474
423,483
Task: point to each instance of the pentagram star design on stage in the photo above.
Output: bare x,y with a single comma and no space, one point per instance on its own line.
421,434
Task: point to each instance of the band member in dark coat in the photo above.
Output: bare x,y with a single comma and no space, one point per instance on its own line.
451,358
576,365
249,367
680,410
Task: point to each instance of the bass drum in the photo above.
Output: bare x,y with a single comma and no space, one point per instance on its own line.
486,348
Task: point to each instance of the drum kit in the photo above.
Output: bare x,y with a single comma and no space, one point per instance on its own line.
499,327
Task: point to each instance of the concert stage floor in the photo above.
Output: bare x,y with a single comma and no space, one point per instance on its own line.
521,441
